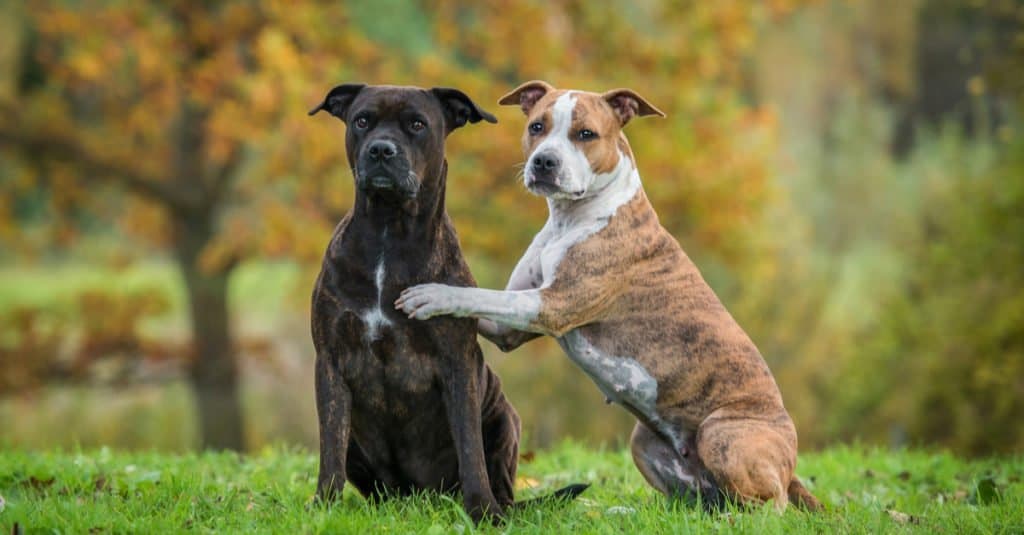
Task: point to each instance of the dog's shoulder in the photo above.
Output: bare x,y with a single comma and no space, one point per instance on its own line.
633,236
327,287
334,245
454,270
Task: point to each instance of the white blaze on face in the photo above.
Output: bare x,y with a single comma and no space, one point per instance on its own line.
573,177
576,177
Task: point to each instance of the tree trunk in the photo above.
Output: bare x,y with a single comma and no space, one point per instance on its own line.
214,370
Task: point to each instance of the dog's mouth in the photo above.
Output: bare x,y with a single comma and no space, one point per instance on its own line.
387,183
543,187
549,187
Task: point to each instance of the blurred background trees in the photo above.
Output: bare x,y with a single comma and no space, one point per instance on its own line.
848,175
161,102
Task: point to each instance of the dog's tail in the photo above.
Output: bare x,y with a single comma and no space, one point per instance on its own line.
562,495
801,497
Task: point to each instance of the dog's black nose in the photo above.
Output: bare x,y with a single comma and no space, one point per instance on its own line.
545,162
381,150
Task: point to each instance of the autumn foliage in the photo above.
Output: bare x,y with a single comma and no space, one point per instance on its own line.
182,126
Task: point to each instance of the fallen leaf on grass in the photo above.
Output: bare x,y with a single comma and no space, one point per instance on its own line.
523,482
528,456
902,518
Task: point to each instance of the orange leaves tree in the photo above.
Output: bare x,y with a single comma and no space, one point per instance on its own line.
158,115
184,123
704,167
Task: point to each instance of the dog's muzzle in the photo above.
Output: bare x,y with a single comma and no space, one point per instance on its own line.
543,172
384,170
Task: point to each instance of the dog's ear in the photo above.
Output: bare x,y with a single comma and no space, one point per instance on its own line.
339,99
628,104
526,95
459,109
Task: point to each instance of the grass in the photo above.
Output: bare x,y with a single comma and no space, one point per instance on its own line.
256,288
269,303
270,491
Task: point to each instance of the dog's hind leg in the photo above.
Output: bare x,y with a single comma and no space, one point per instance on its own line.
501,451
371,484
752,460
670,472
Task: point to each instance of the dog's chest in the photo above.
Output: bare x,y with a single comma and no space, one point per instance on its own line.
555,241
373,318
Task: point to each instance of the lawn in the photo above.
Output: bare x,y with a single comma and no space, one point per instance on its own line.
865,491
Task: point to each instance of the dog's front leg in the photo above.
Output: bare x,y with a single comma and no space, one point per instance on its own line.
507,309
553,310
525,276
462,401
333,406
506,338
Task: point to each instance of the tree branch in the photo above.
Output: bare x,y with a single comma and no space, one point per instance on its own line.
222,177
52,145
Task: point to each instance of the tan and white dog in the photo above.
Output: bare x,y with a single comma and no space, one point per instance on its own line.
631,309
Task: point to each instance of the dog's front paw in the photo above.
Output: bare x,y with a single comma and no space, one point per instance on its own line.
329,490
481,509
427,300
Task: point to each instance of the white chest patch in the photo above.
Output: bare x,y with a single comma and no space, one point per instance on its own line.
556,248
570,222
374,318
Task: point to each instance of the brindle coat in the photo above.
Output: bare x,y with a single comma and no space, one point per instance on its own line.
404,405
625,302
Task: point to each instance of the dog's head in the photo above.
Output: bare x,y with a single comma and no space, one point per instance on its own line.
573,141
395,135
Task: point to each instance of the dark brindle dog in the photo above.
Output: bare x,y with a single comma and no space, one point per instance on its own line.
404,405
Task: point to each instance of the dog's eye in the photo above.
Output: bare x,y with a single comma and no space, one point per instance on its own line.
536,128
362,122
586,135
417,125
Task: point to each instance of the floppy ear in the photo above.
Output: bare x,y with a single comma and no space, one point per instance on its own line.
527,95
628,104
339,99
459,109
